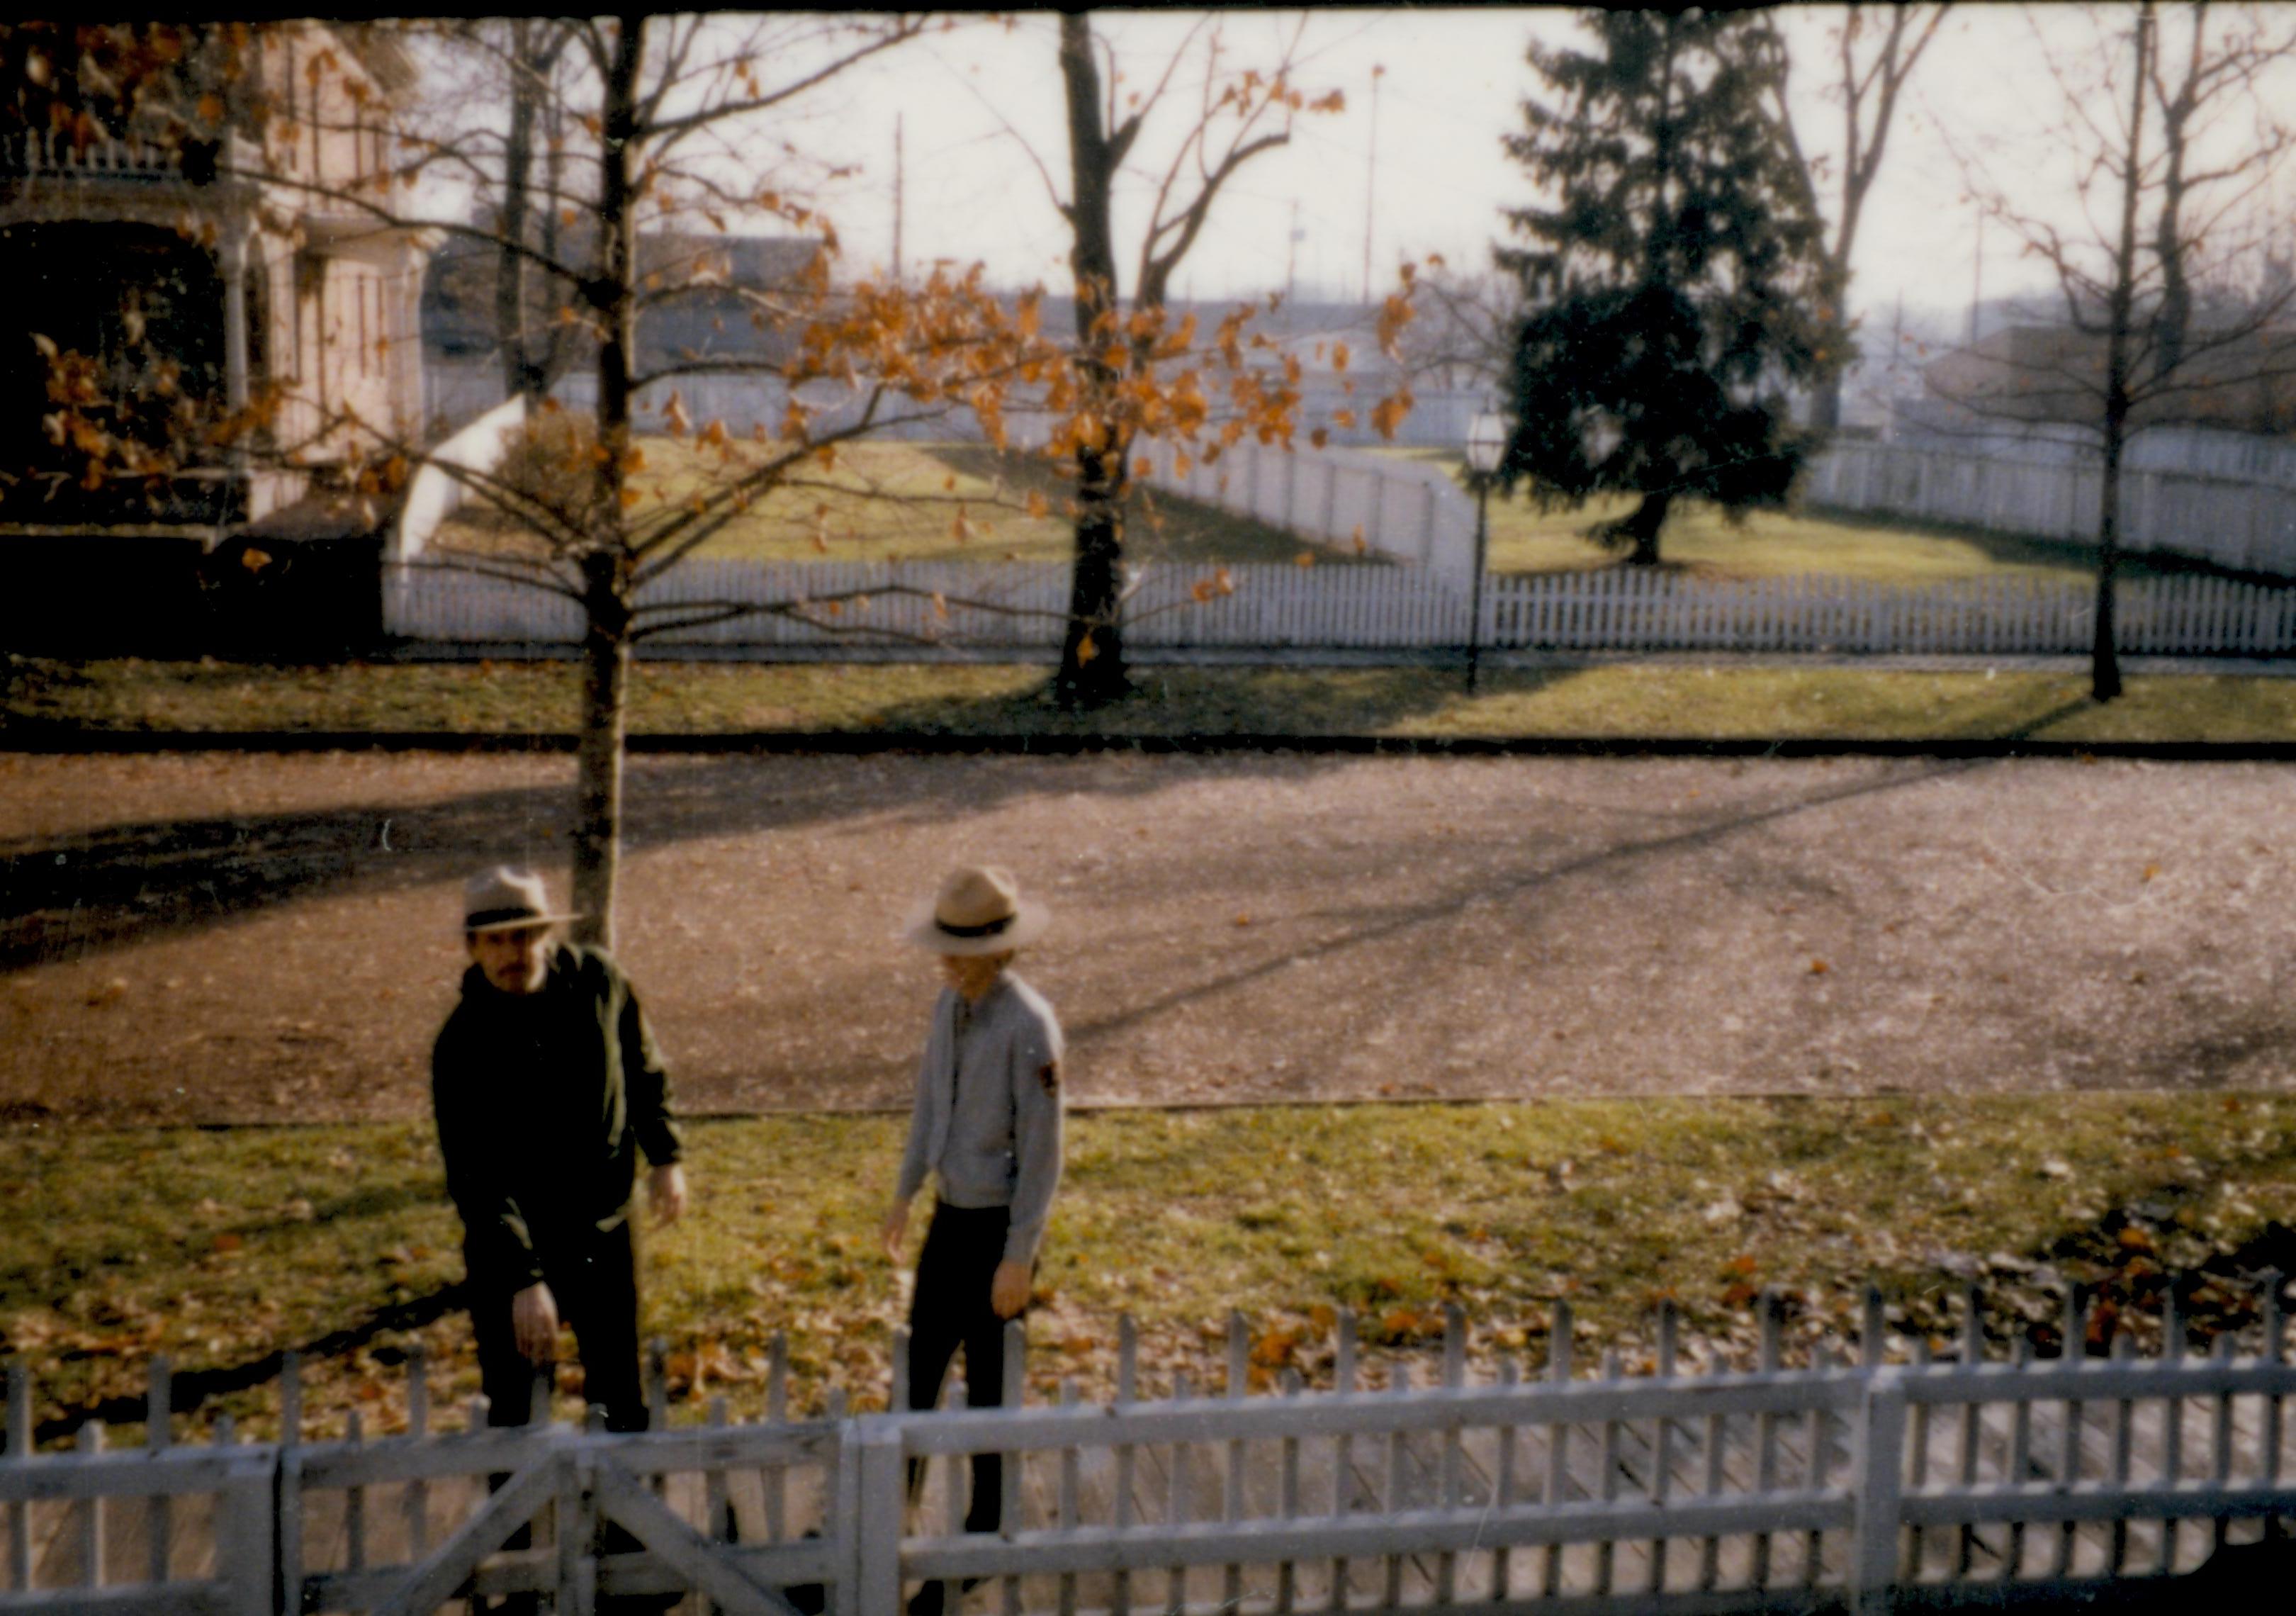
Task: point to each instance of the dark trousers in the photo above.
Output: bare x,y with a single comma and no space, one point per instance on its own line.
597,1290
595,1285
949,1309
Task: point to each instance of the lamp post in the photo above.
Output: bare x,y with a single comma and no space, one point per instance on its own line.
1487,437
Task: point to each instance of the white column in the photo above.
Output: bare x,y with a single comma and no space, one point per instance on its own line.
233,257
409,407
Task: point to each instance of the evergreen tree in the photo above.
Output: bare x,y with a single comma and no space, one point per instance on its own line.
1675,283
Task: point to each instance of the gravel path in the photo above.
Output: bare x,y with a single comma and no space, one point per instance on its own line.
235,938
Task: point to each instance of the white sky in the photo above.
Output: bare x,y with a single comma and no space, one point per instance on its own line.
1453,85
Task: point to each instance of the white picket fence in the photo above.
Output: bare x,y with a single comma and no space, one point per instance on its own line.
1017,608
2245,525
1408,511
1768,1488
2192,451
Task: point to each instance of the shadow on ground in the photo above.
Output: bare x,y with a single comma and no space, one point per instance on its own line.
66,895
1389,923
190,1388
1267,703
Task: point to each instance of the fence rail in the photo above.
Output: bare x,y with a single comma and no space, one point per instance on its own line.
1844,1481
1408,511
957,608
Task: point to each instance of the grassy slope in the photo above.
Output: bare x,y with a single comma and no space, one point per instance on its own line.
1767,544
1626,701
899,501
219,1246
903,501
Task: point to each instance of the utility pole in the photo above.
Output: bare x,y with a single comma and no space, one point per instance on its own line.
1371,179
1977,280
897,199
1291,257
1897,342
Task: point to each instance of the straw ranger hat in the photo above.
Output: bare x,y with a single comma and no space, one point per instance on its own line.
978,910
505,899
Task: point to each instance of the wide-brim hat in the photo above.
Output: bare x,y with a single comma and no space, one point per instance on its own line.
505,899
978,910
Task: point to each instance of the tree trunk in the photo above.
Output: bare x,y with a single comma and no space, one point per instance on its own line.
529,361
1092,672
2105,656
1825,404
510,265
1825,399
609,573
1643,526
1092,653
598,753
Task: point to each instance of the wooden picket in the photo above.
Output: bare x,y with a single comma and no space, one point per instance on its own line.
2236,522
928,610
1766,1487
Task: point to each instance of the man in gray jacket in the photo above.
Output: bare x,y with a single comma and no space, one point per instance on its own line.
988,1126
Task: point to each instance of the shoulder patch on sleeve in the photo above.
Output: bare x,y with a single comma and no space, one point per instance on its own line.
1049,1075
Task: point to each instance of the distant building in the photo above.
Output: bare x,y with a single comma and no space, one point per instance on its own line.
2054,375
710,313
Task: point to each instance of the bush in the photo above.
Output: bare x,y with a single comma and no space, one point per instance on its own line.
551,462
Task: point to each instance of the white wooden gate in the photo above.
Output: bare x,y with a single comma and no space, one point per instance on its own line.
1768,1488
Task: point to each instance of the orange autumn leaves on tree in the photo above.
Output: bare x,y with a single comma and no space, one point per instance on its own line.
1142,376
949,343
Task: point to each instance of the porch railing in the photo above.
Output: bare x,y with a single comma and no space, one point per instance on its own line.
52,154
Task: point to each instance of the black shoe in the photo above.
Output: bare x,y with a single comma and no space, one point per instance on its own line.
806,1598
931,1599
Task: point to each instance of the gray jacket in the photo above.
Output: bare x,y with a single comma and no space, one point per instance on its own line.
987,1116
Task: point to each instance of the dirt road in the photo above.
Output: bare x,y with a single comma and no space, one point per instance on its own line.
209,939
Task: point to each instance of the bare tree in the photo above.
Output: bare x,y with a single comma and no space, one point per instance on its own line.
2175,133
1224,117
529,51
1877,48
1464,329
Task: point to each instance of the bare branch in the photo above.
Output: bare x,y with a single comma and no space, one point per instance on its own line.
903,28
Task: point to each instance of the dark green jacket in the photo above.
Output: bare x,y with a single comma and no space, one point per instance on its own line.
543,1103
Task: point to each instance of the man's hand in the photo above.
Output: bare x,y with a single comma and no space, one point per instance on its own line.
665,1191
534,1321
1008,1292
897,1226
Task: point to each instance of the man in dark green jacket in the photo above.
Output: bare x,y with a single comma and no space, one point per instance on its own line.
547,1086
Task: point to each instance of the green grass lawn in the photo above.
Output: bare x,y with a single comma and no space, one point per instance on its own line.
1700,539
953,501
916,501
1626,701
219,1246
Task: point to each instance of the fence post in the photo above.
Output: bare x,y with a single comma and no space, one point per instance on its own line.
249,1539
1879,1469
20,1449
874,1573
